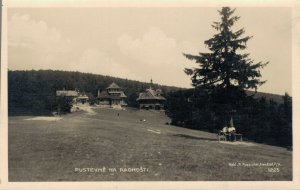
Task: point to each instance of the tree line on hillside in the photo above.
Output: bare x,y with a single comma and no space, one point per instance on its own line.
34,92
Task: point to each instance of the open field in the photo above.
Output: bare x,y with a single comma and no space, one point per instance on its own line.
42,149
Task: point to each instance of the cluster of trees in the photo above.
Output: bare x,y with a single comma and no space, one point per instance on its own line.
221,81
262,120
34,92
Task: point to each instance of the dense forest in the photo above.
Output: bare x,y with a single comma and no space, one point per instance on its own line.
34,92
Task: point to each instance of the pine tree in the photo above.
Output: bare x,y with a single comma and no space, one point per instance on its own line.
225,72
225,66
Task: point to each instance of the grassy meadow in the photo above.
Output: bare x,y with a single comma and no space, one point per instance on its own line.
64,149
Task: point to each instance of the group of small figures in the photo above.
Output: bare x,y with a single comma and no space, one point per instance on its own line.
229,133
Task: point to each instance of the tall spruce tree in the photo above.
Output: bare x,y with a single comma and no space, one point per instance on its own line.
225,72
225,66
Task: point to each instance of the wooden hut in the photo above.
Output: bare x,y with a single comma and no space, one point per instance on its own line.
151,99
112,96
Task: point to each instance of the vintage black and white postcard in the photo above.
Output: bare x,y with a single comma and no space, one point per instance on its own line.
169,94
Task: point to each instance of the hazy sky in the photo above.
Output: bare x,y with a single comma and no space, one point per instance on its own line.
140,43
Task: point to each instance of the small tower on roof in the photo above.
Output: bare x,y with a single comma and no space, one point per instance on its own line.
151,83
151,98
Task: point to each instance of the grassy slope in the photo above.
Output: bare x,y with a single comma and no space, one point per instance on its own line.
49,151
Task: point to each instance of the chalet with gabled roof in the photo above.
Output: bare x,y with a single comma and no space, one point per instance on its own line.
78,97
151,99
82,98
113,96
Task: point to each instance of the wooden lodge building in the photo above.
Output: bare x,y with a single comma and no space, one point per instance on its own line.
84,98
113,96
78,97
151,99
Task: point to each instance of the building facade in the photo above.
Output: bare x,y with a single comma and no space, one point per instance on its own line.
77,97
113,96
73,94
84,98
151,99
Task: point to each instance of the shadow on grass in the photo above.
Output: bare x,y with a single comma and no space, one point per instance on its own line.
193,137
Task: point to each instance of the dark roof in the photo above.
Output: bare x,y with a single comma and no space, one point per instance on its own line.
104,94
150,94
113,85
115,97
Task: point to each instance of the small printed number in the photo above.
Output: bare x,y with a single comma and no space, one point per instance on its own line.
273,170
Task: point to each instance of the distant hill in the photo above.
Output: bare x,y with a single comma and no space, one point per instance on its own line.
275,97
